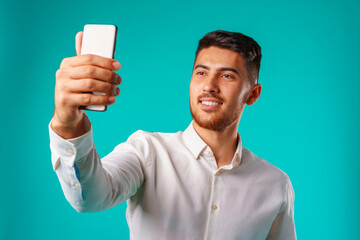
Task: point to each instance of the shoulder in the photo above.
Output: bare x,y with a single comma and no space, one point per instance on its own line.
145,145
141,137
264,170
268,175
154,135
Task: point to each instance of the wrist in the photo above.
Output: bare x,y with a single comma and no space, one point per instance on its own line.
73,130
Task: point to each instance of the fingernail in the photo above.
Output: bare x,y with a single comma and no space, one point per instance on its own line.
111,99
118,79
116,65
115,91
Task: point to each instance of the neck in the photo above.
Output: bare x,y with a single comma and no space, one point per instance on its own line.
223,144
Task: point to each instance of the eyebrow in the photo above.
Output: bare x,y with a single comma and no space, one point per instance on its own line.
219,69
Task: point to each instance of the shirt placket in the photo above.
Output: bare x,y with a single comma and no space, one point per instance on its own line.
214,206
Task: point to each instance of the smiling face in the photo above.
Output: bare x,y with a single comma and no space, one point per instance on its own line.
219,88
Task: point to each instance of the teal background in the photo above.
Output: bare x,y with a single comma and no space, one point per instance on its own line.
305,122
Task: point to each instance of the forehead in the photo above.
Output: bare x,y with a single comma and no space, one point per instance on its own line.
215,57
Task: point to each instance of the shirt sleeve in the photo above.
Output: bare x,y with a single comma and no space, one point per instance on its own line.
283,226
92,184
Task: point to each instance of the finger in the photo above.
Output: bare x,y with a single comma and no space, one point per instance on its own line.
78,42
86,99
83,72
94,73
90,59
91,85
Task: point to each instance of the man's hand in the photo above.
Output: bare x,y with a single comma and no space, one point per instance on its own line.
76,78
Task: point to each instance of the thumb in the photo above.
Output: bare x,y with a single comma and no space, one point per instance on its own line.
78,41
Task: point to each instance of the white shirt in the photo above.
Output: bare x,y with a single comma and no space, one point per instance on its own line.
174,189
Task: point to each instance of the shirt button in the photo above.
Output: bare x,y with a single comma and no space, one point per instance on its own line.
217,173
208,151
214,207
70,151
77,185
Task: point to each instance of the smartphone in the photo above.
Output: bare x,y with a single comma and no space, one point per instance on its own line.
98,39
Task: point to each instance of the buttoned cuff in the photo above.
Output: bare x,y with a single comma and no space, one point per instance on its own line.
70,150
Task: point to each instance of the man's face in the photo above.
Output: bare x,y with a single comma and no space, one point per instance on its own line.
218,88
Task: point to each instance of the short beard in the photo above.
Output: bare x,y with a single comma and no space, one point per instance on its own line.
217,123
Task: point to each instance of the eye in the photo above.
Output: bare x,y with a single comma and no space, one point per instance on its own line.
200,73
228,76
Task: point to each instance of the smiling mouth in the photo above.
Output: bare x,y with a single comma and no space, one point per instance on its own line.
210,103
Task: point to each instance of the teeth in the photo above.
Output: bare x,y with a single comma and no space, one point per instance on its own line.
210,103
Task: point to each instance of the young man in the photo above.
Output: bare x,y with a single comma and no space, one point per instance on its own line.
196,184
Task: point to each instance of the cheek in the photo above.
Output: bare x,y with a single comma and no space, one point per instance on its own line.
196,86
192,94
241,98
193,89
234,97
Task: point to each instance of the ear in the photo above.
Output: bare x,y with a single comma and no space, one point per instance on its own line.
254,94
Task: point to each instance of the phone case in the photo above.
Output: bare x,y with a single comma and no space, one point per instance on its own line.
98,39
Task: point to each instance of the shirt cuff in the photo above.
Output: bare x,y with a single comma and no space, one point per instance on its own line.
71,150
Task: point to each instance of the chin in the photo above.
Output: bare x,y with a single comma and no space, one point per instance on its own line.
216,122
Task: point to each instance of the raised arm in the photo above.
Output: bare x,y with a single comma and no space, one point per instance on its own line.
90,184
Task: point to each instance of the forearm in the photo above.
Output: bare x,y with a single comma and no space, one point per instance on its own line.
91,184
86,185
76,162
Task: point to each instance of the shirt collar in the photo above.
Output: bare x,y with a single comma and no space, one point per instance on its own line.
193,141
196,145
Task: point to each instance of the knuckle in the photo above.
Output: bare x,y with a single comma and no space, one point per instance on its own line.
64,62
58,73
88,58
59,86
89,70
89,84
86,99
62,99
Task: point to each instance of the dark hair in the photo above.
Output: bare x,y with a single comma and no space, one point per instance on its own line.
247,47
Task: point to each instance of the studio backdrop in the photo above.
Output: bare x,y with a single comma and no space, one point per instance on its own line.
305,121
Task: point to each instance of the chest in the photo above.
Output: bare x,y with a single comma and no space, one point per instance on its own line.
190,195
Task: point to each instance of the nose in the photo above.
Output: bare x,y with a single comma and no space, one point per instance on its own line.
211,84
